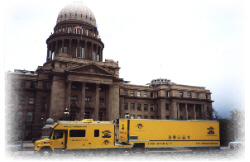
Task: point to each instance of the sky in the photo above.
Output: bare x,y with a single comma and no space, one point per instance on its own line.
194,42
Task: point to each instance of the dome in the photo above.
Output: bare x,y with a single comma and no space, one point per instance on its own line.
76,11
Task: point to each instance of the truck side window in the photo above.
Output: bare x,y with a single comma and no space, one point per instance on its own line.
96,133
58,135
77,133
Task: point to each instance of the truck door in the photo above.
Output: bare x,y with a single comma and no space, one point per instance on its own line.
58,140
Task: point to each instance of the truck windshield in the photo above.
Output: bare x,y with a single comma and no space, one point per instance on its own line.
50,134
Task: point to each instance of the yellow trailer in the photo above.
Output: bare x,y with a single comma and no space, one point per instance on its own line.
167,133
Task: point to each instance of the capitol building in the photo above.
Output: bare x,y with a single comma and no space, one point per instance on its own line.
76,83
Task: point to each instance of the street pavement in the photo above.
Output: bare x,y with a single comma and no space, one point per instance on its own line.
27,152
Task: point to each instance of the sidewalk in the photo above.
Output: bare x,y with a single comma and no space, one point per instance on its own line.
27,145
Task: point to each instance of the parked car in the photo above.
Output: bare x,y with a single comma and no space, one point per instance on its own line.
237,144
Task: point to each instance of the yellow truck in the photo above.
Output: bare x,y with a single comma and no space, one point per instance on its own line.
128,134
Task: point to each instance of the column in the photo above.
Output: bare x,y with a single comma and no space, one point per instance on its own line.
70,47
68,94
96,53
56,50
63,46
77,49
85,50
173,110
186,111
194,111
83,101
91,50
113,108
96,114
202,111
101,53
47,52
178,111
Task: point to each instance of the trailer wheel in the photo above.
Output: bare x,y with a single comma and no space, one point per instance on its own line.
46,151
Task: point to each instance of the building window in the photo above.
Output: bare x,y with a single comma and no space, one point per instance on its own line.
145,117
138,94
73,98
23,84
197,95
32,84
45,85
69,29
167,107
206,96
21,100
189,94
20,116
167,117
132,106
145,94
167,94
87,99
139,117
31,100
151,107
101,100
132,93
139,107
59,30
29,116
145,107
125,106
125,92
181,94
132,117
43,109
152,117
152,95
65,50
87,88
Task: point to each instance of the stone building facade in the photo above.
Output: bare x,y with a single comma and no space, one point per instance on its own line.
76,79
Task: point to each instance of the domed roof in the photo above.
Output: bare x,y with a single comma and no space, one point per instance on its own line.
77,11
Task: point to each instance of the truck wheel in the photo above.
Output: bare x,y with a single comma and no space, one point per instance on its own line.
45,151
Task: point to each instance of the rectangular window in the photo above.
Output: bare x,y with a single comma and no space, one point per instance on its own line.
31,100
69,29
65,50
23,84
32,84
43,109
20,116
181,94
73,98
145,94
189,94
29,116
145,117
132,93
96,133
139,117
125,92
101,100
152,117
167,94
167,107
167,117
21,100
87,99
152,95
138,94
77,133
139,107
145,107
197,95
151,107
45,85
132,106
132,117
125,106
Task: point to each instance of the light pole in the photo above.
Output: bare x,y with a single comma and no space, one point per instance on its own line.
66,113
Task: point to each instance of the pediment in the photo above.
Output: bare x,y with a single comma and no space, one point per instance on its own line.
90,69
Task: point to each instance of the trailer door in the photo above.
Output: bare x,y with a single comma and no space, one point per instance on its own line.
123,130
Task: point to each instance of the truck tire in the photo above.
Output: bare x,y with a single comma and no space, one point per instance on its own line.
45,151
